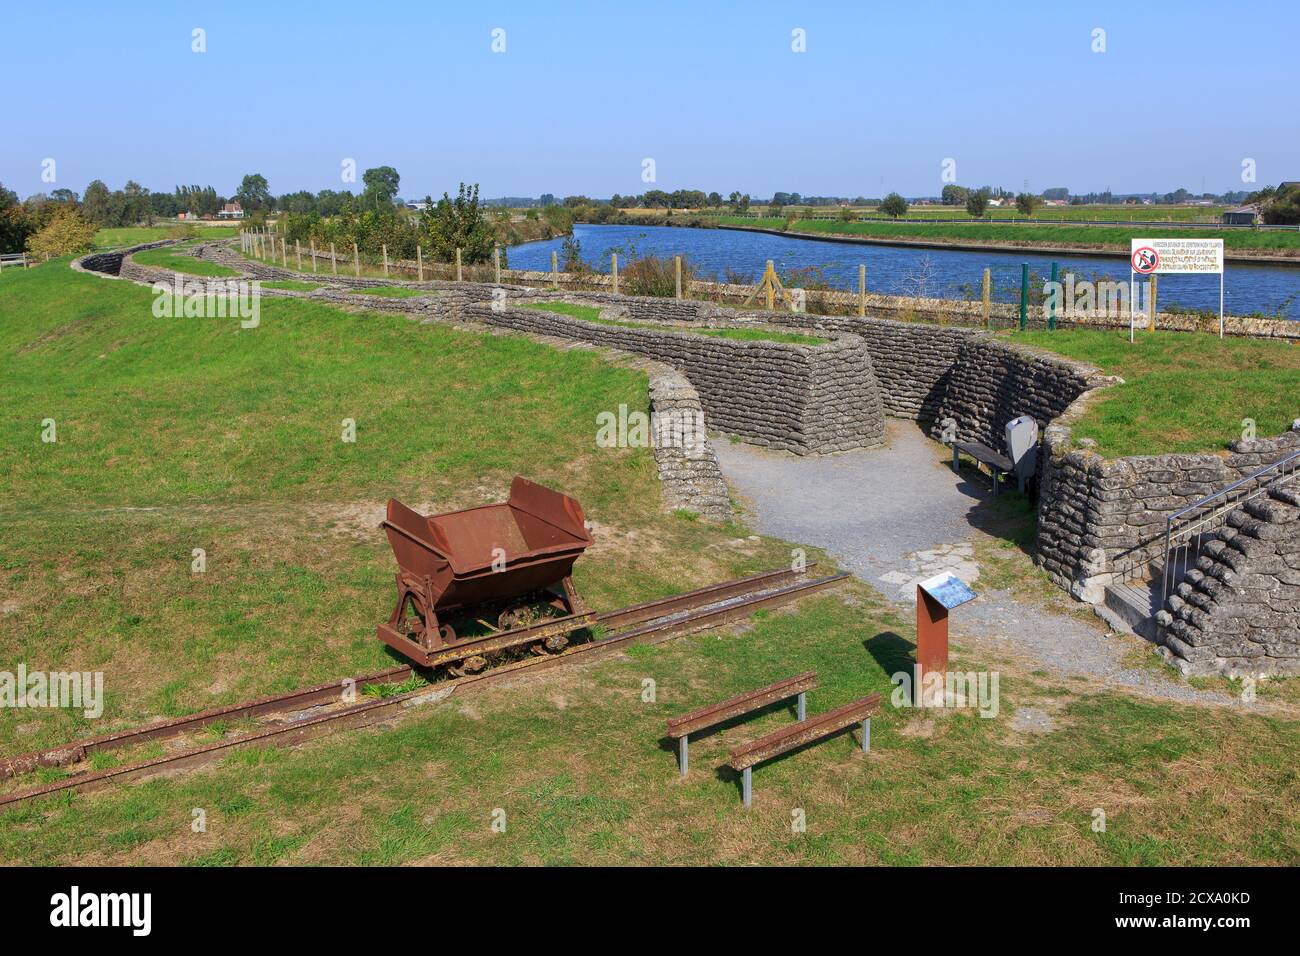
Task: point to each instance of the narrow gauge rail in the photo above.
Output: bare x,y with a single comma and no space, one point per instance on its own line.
646,623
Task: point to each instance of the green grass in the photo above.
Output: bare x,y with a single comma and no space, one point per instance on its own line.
592,314
1182,392
176,434
292,285
196,433
577,764
167,258
136,235
393,292
1047,234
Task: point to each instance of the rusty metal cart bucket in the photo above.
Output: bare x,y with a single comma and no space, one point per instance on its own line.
491,555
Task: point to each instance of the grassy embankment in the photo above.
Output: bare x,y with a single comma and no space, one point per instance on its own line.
592,314
174,258
175,435
1081,236
1182,392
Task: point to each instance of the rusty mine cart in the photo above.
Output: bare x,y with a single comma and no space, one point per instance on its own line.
513,560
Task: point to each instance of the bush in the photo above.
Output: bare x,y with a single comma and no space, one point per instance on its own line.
654,276
66,234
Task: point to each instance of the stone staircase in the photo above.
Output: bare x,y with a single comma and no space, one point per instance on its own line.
1237,610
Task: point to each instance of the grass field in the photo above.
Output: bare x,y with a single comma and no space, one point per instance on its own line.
168,257
197,433
135,235
1182,392
1111,213
592,314
1047,234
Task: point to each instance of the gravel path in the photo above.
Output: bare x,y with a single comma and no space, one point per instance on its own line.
896,515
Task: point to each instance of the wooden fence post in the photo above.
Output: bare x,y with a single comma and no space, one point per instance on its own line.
297,252
1152,306
496,263
613,269
459,277
356,261
985,290
384,247
312,243
677,268
862,290
419,262
334,260
555,269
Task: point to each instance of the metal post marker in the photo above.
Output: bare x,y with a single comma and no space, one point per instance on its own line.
803,706
747,786
684,754
866,736
1051,315
1024,296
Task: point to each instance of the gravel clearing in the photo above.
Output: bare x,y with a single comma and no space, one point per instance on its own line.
893,516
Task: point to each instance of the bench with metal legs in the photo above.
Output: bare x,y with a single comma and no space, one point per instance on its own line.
680,728
819,727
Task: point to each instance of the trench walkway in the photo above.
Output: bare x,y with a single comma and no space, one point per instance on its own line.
895,515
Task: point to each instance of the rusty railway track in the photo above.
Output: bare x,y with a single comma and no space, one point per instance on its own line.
646,623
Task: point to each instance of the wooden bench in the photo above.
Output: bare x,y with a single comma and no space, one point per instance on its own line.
782,741
680,728
998,463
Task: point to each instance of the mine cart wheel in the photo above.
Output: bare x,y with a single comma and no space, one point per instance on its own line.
512,616
447,633
470,665
552,645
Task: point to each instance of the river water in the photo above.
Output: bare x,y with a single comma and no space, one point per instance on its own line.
892,270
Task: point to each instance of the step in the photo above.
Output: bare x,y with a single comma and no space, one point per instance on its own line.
1134,604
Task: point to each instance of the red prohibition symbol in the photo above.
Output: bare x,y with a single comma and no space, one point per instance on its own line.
1145,260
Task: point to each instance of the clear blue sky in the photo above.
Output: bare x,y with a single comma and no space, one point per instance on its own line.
711,91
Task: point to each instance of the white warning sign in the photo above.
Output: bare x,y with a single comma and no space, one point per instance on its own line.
1174,256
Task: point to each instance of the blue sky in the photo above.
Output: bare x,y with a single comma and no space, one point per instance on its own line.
711,91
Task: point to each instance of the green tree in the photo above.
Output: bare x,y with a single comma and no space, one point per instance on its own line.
7,197
381,185
977,203
459,224
894,206
1025,203
954,195
95,205
66,233
254,194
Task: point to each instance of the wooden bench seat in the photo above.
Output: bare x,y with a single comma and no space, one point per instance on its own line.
806,731
998,463
680,728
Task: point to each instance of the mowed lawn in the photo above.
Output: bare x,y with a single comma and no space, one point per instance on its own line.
195,433
1182,392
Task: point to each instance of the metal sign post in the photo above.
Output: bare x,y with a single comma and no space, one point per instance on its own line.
935,597
1153,257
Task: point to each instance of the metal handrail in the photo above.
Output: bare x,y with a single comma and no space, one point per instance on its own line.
1195,525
